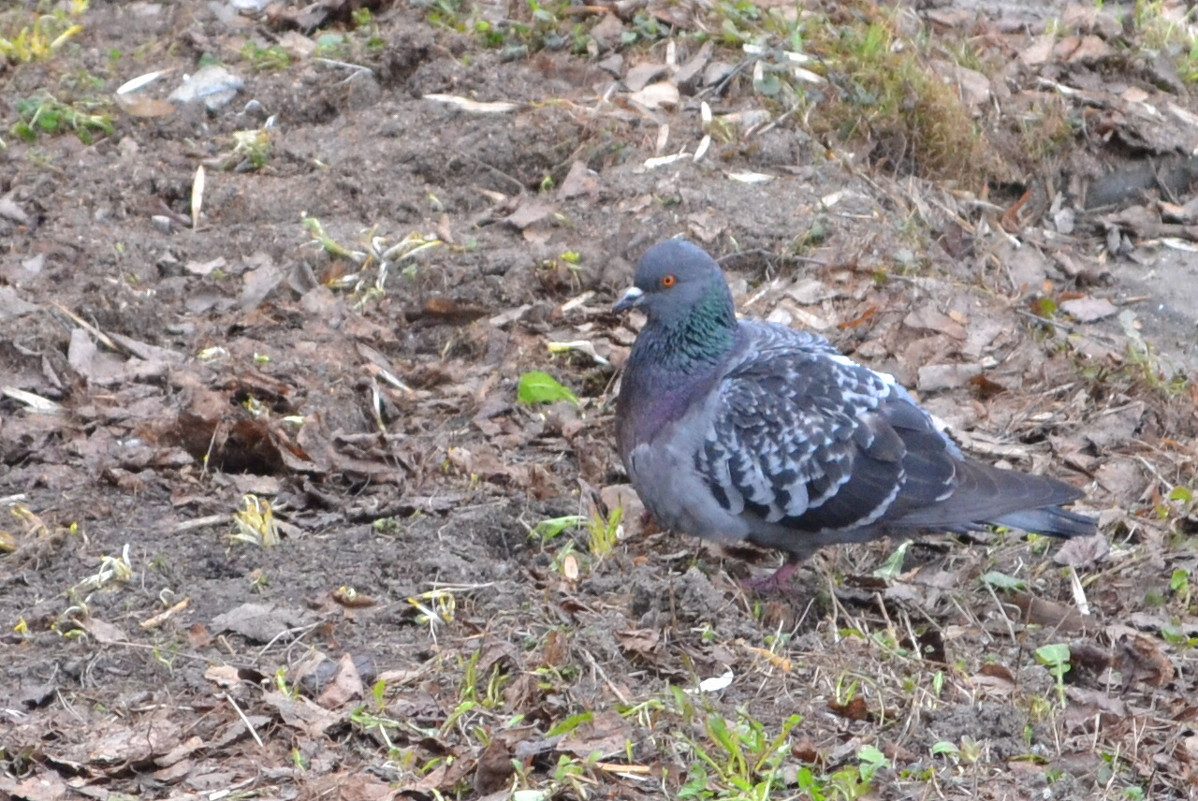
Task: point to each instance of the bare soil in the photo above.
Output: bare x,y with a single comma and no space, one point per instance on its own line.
408,638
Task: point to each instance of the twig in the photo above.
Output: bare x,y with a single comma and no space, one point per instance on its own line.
1068,329
244,720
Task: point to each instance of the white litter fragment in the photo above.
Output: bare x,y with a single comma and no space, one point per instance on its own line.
656,95
663,139
715,684
579,345
197,197
807,76
35,402
751,177
129,97
132,85
662,161
1174,243
474,106
797,58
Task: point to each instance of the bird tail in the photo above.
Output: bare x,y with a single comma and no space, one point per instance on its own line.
987,495
1055,521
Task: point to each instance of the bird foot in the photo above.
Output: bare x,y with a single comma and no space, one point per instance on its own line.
778,581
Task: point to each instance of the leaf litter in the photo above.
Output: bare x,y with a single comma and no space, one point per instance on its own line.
380,411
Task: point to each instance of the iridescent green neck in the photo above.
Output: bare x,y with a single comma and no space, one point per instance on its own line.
699,339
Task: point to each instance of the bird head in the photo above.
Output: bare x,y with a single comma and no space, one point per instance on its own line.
673,279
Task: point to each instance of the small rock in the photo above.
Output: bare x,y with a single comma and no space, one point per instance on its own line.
613,65
213,84
607,32
1065,220
642,74
689,73
717,71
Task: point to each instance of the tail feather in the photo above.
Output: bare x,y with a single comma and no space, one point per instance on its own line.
1052,520
989,495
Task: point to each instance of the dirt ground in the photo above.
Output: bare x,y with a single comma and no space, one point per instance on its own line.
396,224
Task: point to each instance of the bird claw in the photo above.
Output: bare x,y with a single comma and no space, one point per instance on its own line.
778,581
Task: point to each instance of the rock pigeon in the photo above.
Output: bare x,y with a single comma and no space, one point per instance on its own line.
747,431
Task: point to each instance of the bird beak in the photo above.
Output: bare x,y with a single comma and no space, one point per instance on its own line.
632,298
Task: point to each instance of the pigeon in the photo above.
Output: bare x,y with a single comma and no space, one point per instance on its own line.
742,431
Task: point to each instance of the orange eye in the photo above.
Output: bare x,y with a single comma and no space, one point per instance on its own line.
669,280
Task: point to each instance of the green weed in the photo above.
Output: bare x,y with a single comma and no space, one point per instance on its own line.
22,41
740,759
46,114
1055,657
265,59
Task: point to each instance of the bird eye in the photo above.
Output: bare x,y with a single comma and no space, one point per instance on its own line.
669,280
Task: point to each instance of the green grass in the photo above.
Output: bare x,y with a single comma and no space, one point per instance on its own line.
1170,31
43,114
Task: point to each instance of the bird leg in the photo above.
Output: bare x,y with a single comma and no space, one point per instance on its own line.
777,581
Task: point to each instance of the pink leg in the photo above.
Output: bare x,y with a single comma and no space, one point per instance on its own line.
777,581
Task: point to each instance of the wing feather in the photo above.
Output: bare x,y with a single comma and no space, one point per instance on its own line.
803,437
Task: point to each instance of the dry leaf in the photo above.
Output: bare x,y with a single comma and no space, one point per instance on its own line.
1089,309
656,95
1082,551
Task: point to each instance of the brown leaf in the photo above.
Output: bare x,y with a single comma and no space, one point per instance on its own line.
642,642
605,734
929,318
180,752
994,677
855,709
302,713
1039,52
446,310
1140,659
804,749
1088,708
1089,657
345,686
139,741
494,767
985,388
1082,551
1055,616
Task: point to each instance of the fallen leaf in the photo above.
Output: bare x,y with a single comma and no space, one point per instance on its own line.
656,95
529,212
302,713
1089,309
1140,659
261,622
1082,551
606,734
933,377
929,318
345,686
639,641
